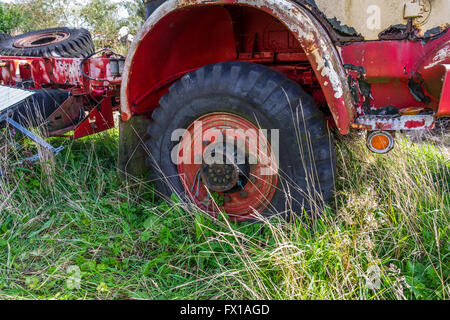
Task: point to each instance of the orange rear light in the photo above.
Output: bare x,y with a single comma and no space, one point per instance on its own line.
380,142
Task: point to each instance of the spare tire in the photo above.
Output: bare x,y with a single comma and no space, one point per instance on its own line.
55,42
4,36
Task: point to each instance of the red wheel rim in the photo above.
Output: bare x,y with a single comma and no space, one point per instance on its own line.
256,185
41,39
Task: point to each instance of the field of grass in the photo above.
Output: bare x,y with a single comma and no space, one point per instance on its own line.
71,229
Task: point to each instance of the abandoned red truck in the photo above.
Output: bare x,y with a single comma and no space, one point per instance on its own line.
272,76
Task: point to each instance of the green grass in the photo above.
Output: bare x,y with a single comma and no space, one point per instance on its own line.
385,236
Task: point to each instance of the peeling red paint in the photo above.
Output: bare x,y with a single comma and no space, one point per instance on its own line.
389,66
394,123
65,73
414,124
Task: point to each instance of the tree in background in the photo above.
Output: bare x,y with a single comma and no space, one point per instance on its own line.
10,17
28,15
136,8
101,17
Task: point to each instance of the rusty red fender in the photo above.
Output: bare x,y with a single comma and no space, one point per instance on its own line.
444,106
315,41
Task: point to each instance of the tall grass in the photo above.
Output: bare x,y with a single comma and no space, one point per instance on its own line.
385,236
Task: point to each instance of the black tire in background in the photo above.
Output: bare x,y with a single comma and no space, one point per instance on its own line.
151,6
35,110
4,36
269,100
56,42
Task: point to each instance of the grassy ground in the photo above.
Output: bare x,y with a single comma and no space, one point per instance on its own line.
71,229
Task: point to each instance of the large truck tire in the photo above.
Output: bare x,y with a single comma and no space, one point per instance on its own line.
237,95
55,42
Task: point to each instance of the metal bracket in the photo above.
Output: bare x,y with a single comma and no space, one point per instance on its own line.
33,137
414,9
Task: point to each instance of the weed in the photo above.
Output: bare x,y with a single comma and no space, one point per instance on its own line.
76,231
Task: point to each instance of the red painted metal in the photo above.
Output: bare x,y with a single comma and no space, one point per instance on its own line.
444,106
185,35
390,65
178,43
431,68
65,73
232,30
161,86
394,123
45,72
258,191
99,119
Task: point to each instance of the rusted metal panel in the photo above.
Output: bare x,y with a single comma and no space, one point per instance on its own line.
399,74
66,116
38,72
444,106
394,123
99,119
314,39
431,67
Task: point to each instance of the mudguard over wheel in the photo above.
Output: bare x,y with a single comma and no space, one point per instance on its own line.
55,42
215,102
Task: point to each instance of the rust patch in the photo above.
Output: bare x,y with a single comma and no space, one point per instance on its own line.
412,32
397,32
338,32
415,85
360,88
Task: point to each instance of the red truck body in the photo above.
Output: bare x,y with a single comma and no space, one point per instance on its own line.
349,79
398,81
98,97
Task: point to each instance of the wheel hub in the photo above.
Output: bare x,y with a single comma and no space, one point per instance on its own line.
41,39
219,177
223,169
